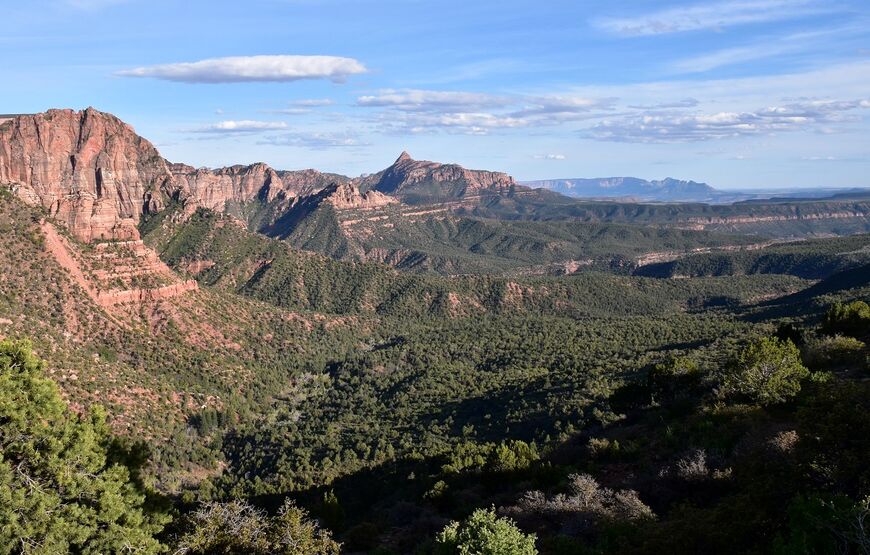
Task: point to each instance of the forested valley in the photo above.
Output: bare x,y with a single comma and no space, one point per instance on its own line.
295,403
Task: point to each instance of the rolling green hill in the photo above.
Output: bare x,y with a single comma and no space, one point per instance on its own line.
813,259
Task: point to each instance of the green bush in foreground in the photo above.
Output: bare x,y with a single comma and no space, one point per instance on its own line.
484,533
59,490
238,528
767,371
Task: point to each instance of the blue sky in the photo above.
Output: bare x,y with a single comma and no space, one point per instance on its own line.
737,93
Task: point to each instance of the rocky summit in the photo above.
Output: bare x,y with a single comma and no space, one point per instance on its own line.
419,180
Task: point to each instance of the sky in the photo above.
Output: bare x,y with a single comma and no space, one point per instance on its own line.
737,93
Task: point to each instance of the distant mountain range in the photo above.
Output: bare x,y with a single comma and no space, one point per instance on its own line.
635,189
94,175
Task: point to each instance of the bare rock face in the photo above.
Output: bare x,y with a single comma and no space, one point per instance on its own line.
451,180
347,195
214,188
89,169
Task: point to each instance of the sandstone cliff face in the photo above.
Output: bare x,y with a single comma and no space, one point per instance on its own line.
90,170
406,173
214,188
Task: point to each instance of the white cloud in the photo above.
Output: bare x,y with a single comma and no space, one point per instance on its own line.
711,16
683,103
241,126
301,107
424,100
682,127
420,111
313,102
289,111
315,140
468,123
550,156
656,111
562,107
237,69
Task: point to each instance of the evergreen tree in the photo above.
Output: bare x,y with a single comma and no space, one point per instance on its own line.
60,489
768,371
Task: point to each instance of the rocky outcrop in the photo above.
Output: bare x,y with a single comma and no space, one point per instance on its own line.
408,177
145,295
89,169
705,222
214,188
348,195
116,273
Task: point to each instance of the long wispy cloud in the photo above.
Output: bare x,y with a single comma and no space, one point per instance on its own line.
237,69
414,100
690,127
766,48
714,15
240,126
422,111
301,107
315,140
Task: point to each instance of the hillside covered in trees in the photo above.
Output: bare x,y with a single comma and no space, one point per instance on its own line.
293,403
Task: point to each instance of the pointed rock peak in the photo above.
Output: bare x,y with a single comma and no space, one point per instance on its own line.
404,156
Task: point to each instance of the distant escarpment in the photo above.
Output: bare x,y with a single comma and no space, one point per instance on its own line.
665,190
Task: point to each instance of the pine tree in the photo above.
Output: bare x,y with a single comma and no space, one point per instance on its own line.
60,489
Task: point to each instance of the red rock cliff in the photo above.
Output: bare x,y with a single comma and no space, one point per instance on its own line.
213,188
92,172
89,169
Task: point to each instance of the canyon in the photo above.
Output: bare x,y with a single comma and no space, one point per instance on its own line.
94,175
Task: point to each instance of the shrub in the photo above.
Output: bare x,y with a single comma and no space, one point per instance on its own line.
767,371
484,533
677,378
836,350
693,466
585,504
513,455
238,528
